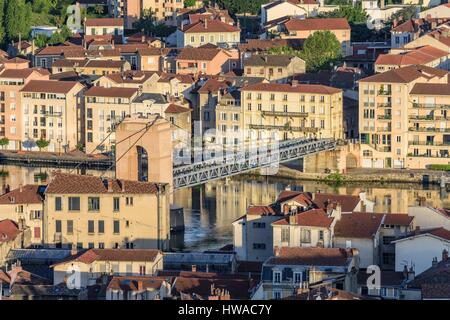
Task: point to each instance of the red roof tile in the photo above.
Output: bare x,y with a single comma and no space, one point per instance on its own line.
106,22
284,87
49,86
422,55
358,225
27,194
175,108
406,74
206,25
311,256
304,198
135,283
113,92
262,211
398,219
295,24
91,255
9,230
310,218
347,202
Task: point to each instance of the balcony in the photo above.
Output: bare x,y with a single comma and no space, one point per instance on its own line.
53,114
383,148
284,114
383,92
384,129
384,104
283,128
423,129
427,155
385,117
431,106
429,143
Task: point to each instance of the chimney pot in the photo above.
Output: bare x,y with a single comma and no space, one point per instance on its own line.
194,268
444,255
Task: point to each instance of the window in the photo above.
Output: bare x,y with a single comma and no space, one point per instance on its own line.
306,236
91,245
37,232
74,203
58,204
259,225
93,204
129,201
321,235
101,226
116,226
58,226
277,277
91,226
116,201
297,277
142,270
259,246
277,295
285,235
101,245
69,226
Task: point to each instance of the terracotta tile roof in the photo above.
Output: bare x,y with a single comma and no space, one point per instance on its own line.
112,92
200,288
284,87
432,89
106,22
9,230
310,218
406,74
358,225
422,55
213,86
59,50
49,86
198,54
81,184
398,219
347,202
262,211
295,2
183,78
18,73
268,60
434,282
175,109
131,76
441,233
28,194
206,25
136,283
311,256
150,51
304,198
294,24
91,255
16,60
88,63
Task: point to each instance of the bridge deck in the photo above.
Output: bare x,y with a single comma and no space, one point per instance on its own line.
241,162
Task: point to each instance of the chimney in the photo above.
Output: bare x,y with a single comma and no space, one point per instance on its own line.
294,83
434,262
74,250
417,231
405,272
20,188
194,268
276,251
411,274
140,285
444,255
122,186
292,219
7,188
110,185
143,39
395,23
206,23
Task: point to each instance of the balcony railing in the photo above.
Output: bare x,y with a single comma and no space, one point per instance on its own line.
431,105
384,104
283,128
384,129
423,129
284,114
383,92
385,117
425,155
429,143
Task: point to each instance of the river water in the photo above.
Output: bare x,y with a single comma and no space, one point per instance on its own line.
211,208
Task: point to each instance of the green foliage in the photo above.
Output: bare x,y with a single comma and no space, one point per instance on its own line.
189,3
18,19
42,143
335,179
353,14
321,50
2,22
150,27
441,167
4,142
284,50
405,14
242,6
79,146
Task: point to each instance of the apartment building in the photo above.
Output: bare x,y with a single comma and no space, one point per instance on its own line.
53,111
206,31
103,28
402,34
14,236
291,269
138,288
295,8
94,263
294,28
164,11
25,205
403,118
294,110
210,61
105,108
227,117
12,80
175,85
92,212
90,66
276,68
426,55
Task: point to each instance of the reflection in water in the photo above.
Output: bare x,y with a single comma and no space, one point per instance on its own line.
211,208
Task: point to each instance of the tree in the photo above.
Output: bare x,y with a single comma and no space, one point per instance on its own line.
4,142
150,27
320,50
353,14
18,19
189,3
42,143
403,14
2,21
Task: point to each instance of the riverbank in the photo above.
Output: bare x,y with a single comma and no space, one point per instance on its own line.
366,176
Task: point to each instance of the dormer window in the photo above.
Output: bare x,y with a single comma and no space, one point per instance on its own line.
277,277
